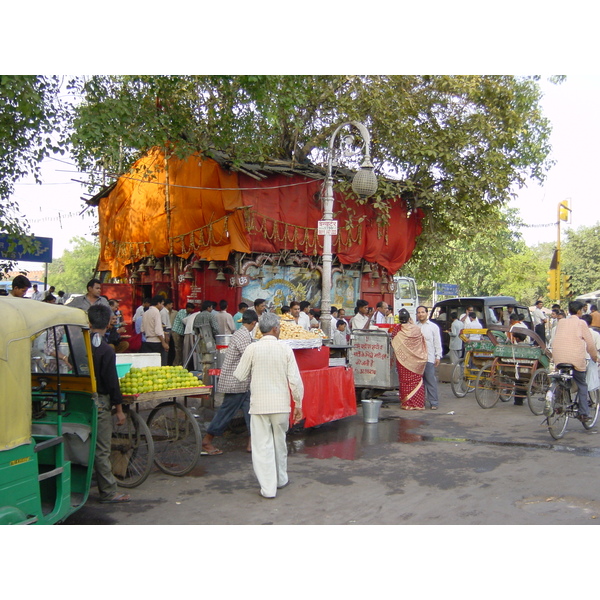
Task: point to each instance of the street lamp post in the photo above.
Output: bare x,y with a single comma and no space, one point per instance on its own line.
364,184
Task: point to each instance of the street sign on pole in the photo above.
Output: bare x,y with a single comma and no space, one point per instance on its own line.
10,250
447,289
327,228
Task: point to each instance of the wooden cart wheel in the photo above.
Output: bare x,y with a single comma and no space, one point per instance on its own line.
131,451
177,438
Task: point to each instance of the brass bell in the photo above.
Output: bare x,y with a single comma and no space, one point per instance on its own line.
196,264
188,275
212,265
366,268
221,275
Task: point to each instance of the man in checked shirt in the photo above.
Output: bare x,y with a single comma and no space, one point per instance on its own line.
273,373
236,393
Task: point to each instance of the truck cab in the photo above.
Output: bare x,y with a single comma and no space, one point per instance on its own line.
405,295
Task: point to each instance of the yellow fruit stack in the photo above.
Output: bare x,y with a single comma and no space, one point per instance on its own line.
155,379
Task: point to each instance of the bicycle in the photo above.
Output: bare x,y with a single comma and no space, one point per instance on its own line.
559,404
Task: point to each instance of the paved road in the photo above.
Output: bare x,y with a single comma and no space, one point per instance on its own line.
458,465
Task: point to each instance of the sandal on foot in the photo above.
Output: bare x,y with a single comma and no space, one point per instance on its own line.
116,499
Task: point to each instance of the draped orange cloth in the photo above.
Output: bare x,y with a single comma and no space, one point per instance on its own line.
211,212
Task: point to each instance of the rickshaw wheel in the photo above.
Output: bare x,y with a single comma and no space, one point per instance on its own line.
539,384
458,382
486,390
177,439
506,388
132,451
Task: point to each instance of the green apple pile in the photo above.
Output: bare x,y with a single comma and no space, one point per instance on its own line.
155,379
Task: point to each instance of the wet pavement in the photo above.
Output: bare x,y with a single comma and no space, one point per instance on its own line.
458,465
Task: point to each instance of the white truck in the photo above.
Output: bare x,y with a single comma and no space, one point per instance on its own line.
405,295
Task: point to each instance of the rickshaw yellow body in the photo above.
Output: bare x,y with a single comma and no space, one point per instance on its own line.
48,420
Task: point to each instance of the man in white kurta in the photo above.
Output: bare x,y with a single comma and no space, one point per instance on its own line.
273,372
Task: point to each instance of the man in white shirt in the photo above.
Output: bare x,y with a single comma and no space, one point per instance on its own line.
433,339
379,316
363,317
456,343
472,322
304,317
273,373
35,294
224,319
140,310
539,320
153,330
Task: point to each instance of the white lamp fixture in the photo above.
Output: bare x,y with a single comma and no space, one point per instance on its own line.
364,184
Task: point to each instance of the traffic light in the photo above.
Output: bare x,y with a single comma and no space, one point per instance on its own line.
553,290
566,286
564,210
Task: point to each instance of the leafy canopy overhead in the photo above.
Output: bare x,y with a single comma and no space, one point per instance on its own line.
455,144
30,112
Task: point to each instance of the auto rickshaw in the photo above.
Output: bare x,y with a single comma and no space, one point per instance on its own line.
48,417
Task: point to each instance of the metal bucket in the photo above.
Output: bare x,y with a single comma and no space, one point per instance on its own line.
222,343
370,408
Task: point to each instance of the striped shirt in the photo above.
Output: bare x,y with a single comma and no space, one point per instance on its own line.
228,384
570,342
273,373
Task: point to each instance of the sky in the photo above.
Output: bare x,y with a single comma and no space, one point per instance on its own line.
53,209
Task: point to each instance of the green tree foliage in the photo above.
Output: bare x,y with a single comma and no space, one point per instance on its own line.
75,268
30,112
580,253
456,145
494,261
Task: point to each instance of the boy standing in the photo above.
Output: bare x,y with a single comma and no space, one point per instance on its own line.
108,394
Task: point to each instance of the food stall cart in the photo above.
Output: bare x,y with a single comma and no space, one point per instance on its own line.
328,391
372,360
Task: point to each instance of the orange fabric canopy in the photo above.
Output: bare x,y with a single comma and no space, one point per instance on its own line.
211,212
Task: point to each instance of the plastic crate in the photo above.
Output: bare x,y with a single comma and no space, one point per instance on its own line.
123,369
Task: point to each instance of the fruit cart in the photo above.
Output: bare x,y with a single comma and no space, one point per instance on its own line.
168,437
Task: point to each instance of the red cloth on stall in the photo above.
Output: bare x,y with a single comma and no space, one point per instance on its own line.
328,395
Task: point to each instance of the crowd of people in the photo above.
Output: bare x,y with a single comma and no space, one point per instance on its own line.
257,378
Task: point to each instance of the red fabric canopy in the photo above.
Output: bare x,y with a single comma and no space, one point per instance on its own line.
285,212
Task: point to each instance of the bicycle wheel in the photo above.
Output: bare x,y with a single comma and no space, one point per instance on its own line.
458,382
486,389
177,439
557,421
131,451
594,403
536,391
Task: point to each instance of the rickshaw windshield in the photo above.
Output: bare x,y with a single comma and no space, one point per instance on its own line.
60,349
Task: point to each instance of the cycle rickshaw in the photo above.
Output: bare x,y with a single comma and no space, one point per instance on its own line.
514,370
477,353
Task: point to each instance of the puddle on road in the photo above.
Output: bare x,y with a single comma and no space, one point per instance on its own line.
347,439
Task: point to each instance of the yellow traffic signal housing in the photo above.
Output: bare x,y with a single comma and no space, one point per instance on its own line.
566,286
553,285
563,210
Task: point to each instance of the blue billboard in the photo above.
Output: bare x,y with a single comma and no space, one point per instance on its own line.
9,250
